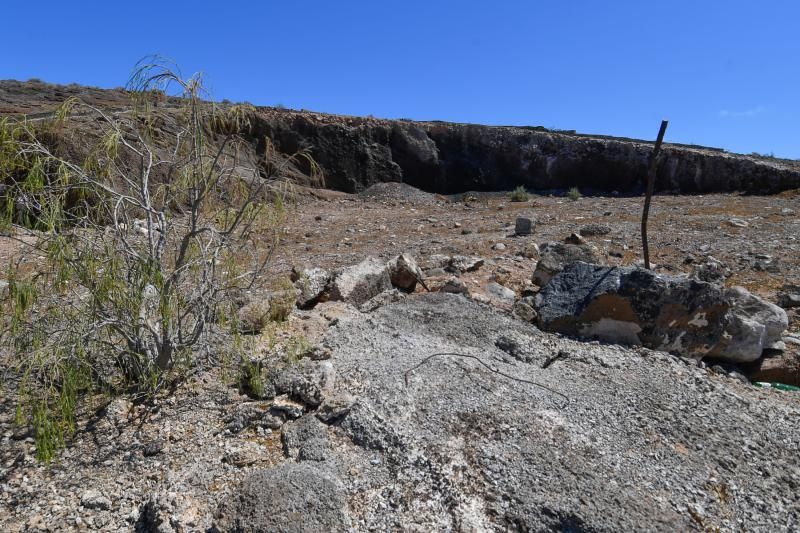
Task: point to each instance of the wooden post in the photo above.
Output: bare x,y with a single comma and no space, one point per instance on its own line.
651,182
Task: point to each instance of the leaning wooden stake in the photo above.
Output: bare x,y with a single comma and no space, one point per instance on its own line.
651,181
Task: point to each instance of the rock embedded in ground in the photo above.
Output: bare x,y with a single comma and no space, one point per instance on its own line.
593,230
94,499
288,498
779,368
306,439
523,226
526,459
753,324
358,283
451,285
404,272
553,256
738,223
631,305
575,238
525,309
789,296
500,292
460,264
711,270
530,251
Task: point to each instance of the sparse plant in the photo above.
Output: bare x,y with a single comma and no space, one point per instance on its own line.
574,194
519,194
147,241
296,348
251,378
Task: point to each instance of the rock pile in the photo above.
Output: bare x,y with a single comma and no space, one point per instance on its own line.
356,284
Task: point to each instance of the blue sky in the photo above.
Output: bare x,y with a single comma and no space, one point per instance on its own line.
725,73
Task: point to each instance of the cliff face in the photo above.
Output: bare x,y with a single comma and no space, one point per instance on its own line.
452,158
355,153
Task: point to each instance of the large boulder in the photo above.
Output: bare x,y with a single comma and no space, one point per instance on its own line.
631,305
358,283
287,498
554,255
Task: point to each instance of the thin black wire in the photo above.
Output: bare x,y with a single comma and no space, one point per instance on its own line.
545,387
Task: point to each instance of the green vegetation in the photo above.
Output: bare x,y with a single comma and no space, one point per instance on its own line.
519,194
147,242
574,194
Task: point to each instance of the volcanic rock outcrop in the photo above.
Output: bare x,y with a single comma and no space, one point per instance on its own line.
631,305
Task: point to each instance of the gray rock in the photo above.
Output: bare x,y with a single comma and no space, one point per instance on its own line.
631,305
554,255
404,272
461,263
454,285
384,298
575,238
525,310
530,251
286,408
335,407
789,297
592,230
444,443
500,292
499,247
751,326
94,499
711,270
523,226
287,498
358,283
306,439
311,284
305,381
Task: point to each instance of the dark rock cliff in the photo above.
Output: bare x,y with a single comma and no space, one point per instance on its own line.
451,158
355,153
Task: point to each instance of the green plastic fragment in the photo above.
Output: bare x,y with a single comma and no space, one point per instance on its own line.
778,386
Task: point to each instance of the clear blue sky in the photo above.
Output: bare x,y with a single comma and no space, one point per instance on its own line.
724,72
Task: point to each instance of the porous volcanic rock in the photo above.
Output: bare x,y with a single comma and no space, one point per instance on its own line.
642,441
287,498
632,305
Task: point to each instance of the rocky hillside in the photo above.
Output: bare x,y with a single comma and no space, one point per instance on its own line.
355,153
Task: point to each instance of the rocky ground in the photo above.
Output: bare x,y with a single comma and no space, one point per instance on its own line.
523,430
